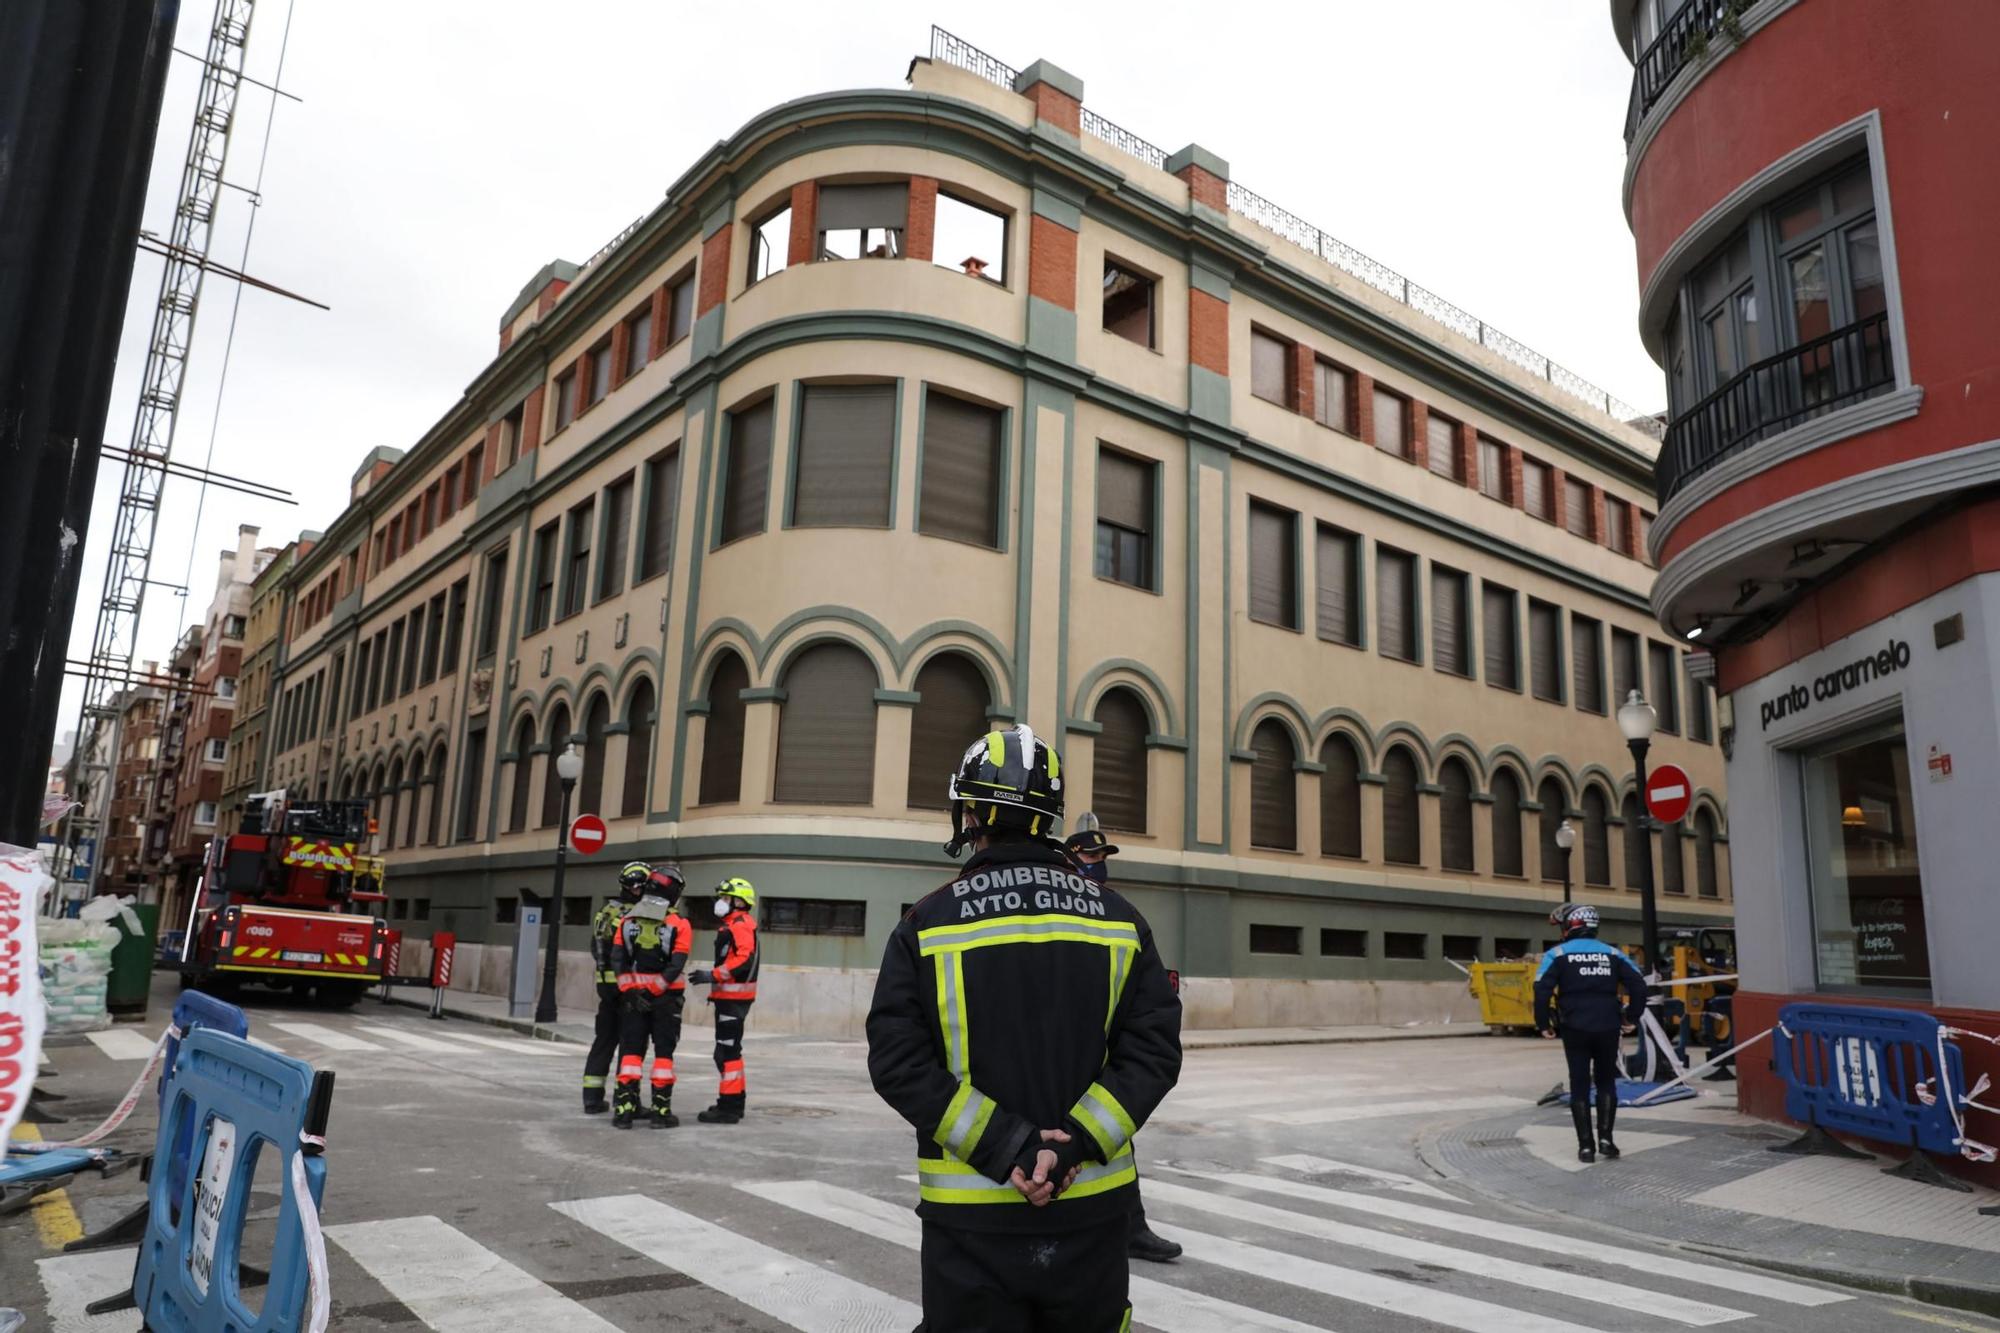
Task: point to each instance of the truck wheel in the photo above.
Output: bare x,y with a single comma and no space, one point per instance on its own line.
339,994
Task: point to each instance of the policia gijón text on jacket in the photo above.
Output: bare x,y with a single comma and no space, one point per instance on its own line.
1023,1023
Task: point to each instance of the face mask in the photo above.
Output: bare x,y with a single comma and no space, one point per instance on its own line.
1098,873
722,907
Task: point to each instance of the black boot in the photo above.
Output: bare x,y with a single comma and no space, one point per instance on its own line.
593,1101
1586,1147
726,1111
626,1107
663,1116
1144,1243
1607,1114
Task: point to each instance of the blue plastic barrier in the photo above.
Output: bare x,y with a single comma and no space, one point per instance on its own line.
1857,1070
238,1102
192,1012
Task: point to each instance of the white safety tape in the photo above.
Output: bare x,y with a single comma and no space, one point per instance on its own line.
1655,982
1651,1028
125,1106
1701,1069
1969,1148
318,1299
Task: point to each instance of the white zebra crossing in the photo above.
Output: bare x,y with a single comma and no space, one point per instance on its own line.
123,1043
1328,1115
73,1281
1161,1306
801,1294
331,1038
1307,1164
455,1284
414,1041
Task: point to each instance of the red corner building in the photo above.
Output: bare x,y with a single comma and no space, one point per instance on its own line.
1811,187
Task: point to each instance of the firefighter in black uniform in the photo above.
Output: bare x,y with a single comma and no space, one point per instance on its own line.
1024,1025
1091,852
610,1005
1579,979
732,989
650,953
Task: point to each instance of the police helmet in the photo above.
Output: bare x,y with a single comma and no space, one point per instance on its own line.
1575,918
1089,837
1007,780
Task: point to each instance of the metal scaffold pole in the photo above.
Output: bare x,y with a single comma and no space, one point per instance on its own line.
128,564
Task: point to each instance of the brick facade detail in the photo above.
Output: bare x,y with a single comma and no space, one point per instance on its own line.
714,271
1058,108
804,239
920,230
1208,331
1052,261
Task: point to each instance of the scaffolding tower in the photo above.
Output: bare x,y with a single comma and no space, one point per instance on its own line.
128,566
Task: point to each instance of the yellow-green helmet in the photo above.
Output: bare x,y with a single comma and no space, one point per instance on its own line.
737,887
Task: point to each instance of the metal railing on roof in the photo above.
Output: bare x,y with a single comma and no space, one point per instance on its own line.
604,251
1289,226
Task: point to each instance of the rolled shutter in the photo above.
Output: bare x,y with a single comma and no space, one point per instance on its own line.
1705,882
638,749
1124,491
663,489
1506,823
1395,633
846,448
1576,506
1455,816
826,728
845,207
1535,488
747,484
1448,640
1624,666
1274,801
590,788
524,769
1587,645
1118,768
1663,661
1596,838
950,715
1441,446
1544,655
1330,386
1336,557
1402,836
1673,878
1340,798
1268,357
1496,606
1554,806
722,744
1391,431
558,737
961,471
1273,580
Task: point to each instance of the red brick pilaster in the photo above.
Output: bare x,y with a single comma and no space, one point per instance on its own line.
1420,432
1056,107
489,459
506,337
658,340
1302,374
531,420
1364,408
1052,262
621,343
805,223
714,270
1558,496
920,233
1468,453
1597,514
1208,331
1513,476
547,300
1205,187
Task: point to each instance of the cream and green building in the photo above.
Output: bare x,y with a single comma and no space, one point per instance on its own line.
912,410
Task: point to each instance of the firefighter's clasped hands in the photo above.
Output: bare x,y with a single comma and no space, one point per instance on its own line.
1040,1185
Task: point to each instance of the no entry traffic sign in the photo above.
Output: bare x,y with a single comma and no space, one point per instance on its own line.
587,833
1669,793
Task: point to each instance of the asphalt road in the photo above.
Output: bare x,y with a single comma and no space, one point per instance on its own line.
466,1191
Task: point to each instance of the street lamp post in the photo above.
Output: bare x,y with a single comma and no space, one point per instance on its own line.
1637,719
1565,839
569,767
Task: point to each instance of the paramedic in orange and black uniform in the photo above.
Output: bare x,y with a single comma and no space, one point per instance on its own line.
649,953
1024,1025
732,984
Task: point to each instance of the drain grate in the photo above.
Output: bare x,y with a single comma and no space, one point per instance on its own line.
1493,1143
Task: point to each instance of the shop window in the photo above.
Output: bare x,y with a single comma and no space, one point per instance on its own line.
862,221
1125,509
1337,942
770,244
1863,863
507,911
1407,945
1275,939
812,916
970,238
1128,303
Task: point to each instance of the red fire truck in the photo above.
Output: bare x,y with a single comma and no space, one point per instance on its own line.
289,902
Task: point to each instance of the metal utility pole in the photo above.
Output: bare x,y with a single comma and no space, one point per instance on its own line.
128,564
80,90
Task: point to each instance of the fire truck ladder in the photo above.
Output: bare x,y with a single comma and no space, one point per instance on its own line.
128,568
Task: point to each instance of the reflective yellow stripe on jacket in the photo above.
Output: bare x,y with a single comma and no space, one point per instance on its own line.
948,1180
1048,929
1100,1113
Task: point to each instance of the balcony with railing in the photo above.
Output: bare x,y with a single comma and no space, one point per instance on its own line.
1819,376
1687,37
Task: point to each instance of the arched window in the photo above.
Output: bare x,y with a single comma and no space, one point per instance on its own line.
826,728
1555,804
1455,815
434,821
1673,876
1402,825
1596,837
378,804
415,820
1506,822
638,748
590,787
1274,788
1705,882
558,738
524,770
392,800
1635,841
951,710
1118,789
1340,797
722,743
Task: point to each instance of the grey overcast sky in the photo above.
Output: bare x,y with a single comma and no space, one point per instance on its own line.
445,151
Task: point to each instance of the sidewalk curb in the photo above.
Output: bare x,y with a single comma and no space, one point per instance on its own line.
1972,1297
526,1027
1332,1037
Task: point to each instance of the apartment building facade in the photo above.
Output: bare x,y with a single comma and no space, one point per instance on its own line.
909,412
1814,285
244,762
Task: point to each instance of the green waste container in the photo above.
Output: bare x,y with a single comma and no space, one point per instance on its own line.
131,982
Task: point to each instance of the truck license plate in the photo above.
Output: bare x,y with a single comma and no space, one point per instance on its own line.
301,956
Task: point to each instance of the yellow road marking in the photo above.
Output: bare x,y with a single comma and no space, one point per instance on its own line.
1944,1320
55,1218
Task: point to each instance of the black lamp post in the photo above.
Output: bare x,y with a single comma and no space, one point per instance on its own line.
1637,719
569,767
1565,839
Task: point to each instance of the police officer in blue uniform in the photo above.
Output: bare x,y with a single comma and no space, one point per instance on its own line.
1579,980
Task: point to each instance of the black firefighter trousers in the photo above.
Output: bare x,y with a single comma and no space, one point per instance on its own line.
1004,1282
